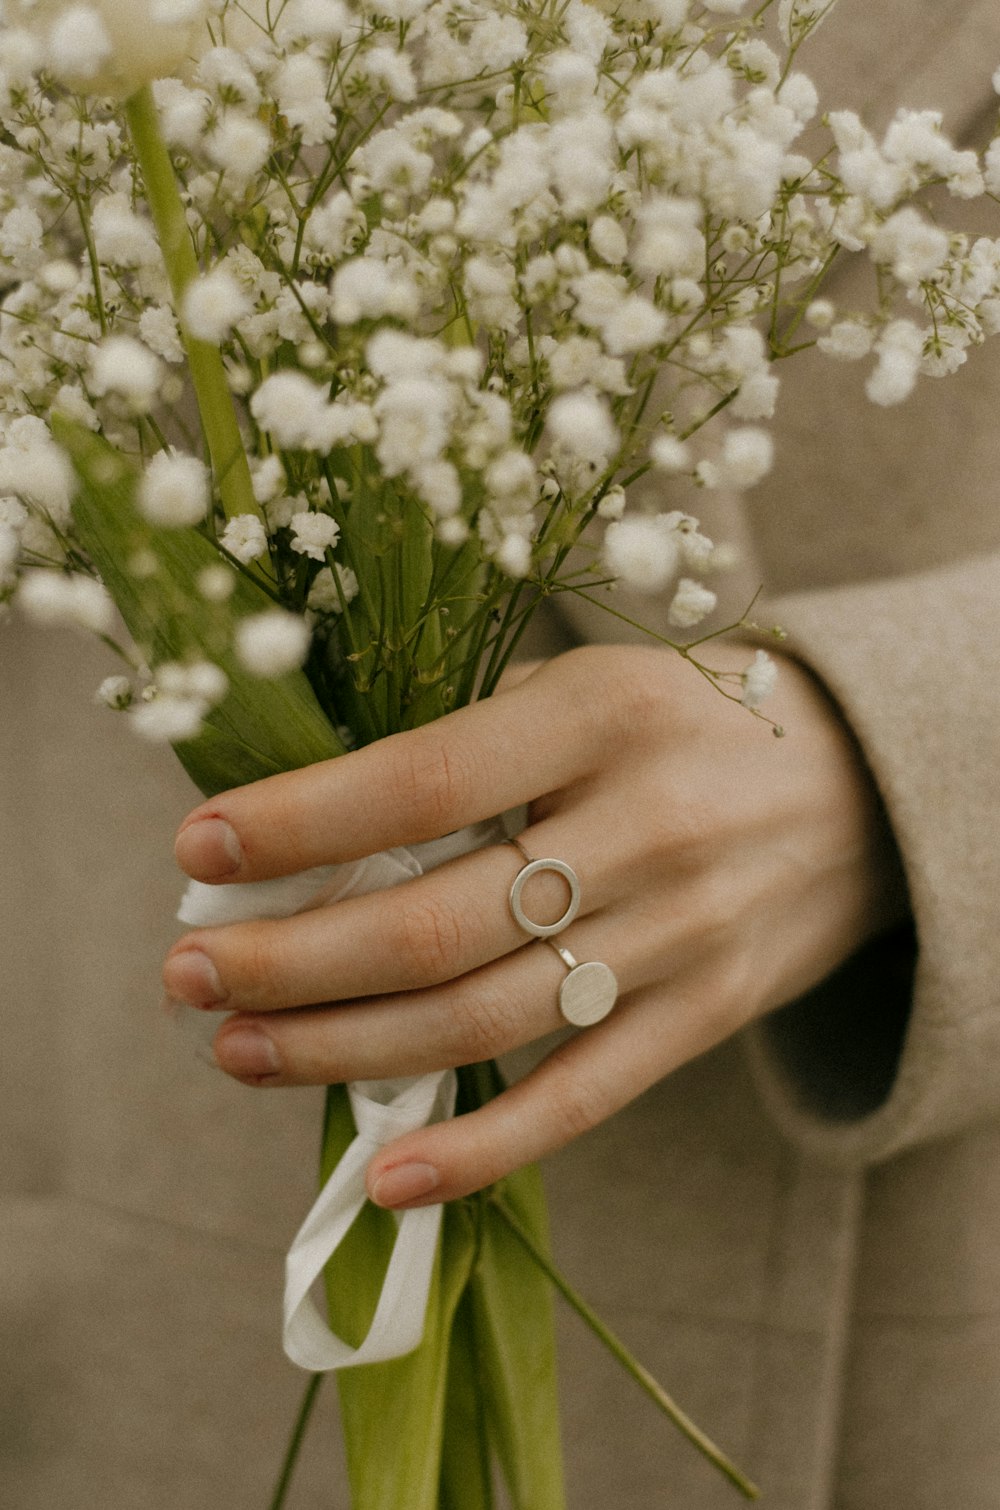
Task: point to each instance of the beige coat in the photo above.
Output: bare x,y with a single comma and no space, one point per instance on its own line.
826,1303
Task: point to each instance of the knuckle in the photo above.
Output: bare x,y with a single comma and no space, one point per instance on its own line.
581,1103
483,1023
428,941
434,780
263,977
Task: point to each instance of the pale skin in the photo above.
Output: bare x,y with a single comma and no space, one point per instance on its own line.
723,873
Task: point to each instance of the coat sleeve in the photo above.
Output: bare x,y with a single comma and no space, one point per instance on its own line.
903,1043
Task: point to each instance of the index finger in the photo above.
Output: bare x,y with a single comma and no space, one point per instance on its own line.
471,765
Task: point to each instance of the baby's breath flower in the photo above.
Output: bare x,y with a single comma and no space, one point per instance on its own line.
324,597
213,304
759,680
216,584
174,490
60,601
581,424
110,48
244,537
691,603
641,551
124,366
115,692
272,643
313,534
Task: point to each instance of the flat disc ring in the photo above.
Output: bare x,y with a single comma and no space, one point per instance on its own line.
533,867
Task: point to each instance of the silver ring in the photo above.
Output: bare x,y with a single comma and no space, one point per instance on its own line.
589,991
533,868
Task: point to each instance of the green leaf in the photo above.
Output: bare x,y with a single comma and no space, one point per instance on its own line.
262,726
513,1307
515,1331
394,1413
466,1477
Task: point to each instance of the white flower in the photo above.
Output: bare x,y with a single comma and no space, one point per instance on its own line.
612,505
114,692
174,490
21,237
245,538
202,680
911,246
642,551
300,91
820,314
159,331
691,603
581,424
124,366
168,717
747,456
759,680
123,238
268,478
213,305
38,472
900,349
59,601
324,596
239,145
513,555
314,534
292,408
108,47
272,643
848,340
414,423
609,240
216,584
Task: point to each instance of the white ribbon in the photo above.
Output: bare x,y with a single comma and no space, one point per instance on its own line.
383,1110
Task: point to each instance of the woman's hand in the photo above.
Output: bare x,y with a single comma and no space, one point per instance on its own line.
723,872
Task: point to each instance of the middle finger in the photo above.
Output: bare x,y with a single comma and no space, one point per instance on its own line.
422,933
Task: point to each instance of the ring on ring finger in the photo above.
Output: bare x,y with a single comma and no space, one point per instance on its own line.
590,989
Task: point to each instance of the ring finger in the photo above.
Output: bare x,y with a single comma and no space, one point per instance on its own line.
423,933
494,1009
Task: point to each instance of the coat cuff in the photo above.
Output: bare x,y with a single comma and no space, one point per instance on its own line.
903,1043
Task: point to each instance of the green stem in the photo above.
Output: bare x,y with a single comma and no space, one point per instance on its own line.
208,375
295,1443
642,1376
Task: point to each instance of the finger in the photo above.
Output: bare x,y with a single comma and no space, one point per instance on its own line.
582,1082
490,1012
498,1008
430,930
471,765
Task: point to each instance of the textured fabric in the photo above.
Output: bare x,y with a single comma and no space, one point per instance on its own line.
806,1251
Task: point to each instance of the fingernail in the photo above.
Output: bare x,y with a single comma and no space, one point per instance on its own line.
404,1183
247,1050
209,849
191,977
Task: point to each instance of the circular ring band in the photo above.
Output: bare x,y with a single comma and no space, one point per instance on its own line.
533,868
589,991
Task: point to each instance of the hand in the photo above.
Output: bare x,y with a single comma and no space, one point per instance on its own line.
723,873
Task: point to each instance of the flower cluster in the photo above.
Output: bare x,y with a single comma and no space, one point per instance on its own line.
472,269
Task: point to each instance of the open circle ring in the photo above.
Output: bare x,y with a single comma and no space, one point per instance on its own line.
533,868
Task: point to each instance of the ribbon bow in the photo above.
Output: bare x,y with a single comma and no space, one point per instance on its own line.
383,1110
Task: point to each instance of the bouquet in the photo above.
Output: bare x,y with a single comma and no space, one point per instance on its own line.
334,337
